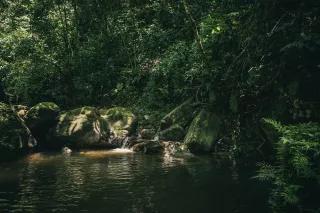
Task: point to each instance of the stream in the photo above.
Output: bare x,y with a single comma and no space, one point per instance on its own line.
123,181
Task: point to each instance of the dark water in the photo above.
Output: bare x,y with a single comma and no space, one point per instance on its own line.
127,182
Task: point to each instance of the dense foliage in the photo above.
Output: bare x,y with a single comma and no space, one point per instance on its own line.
234,55
295,172
241,60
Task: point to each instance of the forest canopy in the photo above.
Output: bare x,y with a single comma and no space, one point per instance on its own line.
77,52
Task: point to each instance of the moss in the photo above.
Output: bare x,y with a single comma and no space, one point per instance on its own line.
173,133
203,132
82,127
147,134
41,113
119,118
41,117
42,108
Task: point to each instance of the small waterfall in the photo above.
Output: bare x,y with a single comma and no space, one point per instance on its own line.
124,147
124,143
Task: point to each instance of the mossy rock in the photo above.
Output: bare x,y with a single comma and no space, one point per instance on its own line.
203,132
41,117
173,133
81,128
148,134
42,111
13,137
119,119
173,148
148,147
21,110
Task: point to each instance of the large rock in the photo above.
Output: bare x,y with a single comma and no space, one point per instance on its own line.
122,123
173,148
173,133
13,137
81,128
203,132
148,147
40,118
174,125
148,134
21,110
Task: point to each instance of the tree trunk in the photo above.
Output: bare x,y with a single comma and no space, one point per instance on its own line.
2,94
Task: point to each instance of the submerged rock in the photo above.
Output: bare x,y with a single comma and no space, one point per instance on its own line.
66,150
173,147
203,132
13,137
40,118
81,128
158,147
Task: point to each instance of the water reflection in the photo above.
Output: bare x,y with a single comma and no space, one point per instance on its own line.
126,182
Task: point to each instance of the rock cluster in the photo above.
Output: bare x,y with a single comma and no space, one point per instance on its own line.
184,128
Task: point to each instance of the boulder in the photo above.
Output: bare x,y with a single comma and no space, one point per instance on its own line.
147,134
173,147
135,140
81,128
122,123
203,132
148,147
13,136
173,133
21,110
40,118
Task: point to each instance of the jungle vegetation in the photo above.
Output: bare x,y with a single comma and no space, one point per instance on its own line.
254,63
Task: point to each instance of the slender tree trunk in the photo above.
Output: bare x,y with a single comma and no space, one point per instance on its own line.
198,37
2,94
67,77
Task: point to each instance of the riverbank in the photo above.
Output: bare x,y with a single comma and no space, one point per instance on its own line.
47,127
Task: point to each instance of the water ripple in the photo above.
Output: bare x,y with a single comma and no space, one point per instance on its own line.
118,181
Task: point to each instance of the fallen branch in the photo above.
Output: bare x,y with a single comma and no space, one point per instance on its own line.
31,140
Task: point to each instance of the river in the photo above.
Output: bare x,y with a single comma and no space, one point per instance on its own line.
120,181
